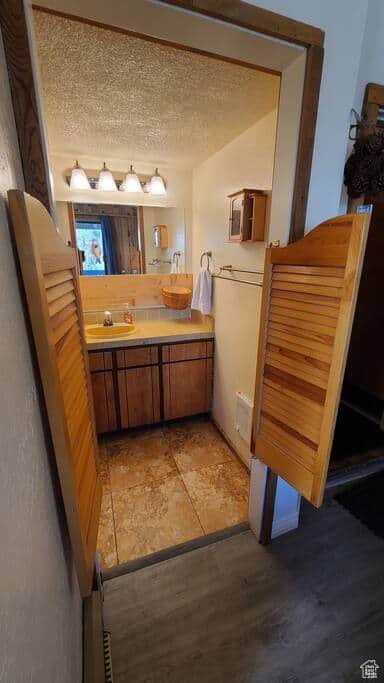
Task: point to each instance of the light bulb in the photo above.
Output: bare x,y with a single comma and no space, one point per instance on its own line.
79,180
157,184
132,182
106,180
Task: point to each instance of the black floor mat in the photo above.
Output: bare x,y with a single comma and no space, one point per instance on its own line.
366,502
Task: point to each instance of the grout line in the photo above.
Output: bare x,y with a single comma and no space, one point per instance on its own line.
114,528
193,506
186,489
113,511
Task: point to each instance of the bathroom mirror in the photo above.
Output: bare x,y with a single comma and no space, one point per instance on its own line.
115,239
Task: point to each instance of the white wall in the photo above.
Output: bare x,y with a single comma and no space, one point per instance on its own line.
371,68
343,22
245,162
174,219
62,220
40,606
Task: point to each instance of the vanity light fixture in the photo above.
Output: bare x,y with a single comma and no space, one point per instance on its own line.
79,180
131,182
157,184
106,180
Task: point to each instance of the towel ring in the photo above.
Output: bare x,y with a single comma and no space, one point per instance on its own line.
208,256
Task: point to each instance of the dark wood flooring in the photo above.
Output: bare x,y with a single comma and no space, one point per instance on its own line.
309,608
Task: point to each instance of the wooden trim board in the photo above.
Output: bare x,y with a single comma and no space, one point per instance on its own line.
312,81
18,54
256,19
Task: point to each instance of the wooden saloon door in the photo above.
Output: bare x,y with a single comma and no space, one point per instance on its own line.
48,269
309,296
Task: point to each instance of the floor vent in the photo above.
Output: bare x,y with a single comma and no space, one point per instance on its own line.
108,658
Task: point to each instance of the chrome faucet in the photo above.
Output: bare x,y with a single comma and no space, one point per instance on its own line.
108,322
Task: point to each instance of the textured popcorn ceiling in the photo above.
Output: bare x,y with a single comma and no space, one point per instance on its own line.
114,96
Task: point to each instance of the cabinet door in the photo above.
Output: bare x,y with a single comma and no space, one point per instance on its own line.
236,217
309,297
139,396
259,207
104,401
187,388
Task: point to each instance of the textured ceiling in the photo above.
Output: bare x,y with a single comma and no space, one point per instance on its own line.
114,96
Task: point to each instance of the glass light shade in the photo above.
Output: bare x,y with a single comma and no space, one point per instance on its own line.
79,180
106,180
132,182
147,187
157,184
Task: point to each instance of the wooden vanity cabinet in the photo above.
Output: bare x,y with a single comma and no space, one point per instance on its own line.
138,386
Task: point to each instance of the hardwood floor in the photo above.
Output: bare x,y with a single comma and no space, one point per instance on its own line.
164,486
307,608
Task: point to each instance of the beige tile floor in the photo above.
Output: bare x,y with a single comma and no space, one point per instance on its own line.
165,486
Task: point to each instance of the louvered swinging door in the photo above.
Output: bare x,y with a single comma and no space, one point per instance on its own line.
48,269
309,296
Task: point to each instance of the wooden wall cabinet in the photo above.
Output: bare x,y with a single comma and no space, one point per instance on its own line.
247,216
139,386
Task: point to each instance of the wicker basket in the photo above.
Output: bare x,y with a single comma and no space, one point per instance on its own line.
177,297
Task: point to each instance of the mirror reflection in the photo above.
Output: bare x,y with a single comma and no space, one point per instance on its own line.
119,239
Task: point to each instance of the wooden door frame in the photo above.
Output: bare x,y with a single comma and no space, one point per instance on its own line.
30,130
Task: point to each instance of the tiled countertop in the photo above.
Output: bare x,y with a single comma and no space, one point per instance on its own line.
157,332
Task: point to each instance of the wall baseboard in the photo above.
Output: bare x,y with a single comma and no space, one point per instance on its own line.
285,524
230,444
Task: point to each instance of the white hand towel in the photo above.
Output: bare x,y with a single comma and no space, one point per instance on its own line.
202,294
174,268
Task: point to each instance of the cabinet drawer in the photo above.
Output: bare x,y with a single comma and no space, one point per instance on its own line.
129,358
100,360
189,351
